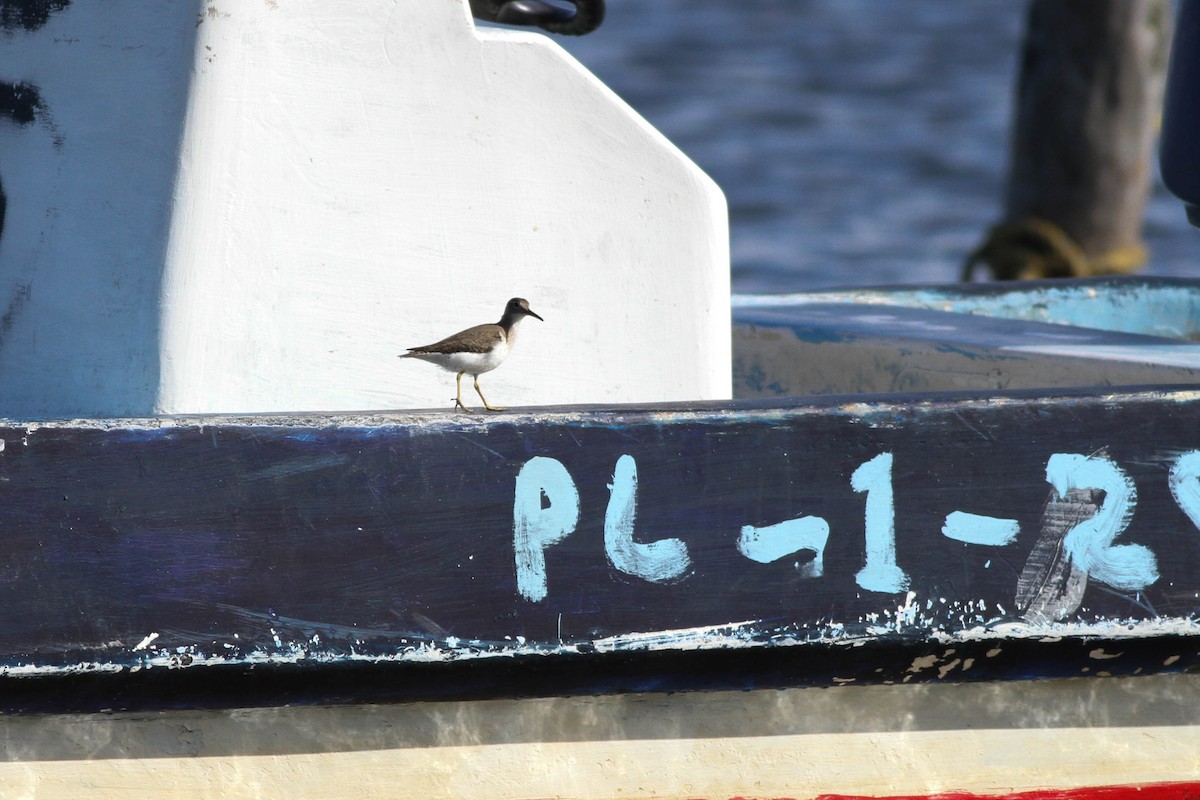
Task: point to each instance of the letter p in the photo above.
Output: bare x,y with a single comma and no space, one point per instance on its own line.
536,527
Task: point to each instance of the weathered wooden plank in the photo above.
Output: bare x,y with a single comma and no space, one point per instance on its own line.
837,540
1075,738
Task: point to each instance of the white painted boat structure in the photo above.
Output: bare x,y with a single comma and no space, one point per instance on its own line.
257,206
254,207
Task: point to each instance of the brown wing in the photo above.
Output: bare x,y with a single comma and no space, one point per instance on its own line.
479,339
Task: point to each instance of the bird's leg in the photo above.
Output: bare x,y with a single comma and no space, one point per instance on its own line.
458,403
484,399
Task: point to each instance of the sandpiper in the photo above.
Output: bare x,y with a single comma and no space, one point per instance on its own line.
476,350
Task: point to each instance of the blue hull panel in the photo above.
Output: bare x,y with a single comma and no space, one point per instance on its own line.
244,561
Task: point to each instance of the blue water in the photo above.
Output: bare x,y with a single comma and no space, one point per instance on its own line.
858,142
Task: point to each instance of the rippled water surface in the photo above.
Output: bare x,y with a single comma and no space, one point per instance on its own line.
858,141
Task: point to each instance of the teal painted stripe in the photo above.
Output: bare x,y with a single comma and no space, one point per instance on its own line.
1167,308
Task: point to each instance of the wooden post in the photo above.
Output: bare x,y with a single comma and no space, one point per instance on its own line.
1089,94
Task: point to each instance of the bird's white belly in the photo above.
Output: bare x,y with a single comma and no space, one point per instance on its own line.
471,363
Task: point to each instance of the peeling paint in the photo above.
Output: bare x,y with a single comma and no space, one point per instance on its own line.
144,643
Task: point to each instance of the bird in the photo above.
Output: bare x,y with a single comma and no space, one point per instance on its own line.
476,350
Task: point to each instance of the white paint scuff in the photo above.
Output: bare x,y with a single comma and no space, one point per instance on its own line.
144,643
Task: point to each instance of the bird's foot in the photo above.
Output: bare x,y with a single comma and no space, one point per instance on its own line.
458,404
494,408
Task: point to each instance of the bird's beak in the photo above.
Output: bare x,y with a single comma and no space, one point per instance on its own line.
532,314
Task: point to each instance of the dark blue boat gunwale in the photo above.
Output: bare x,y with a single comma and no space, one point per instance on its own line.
191,552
